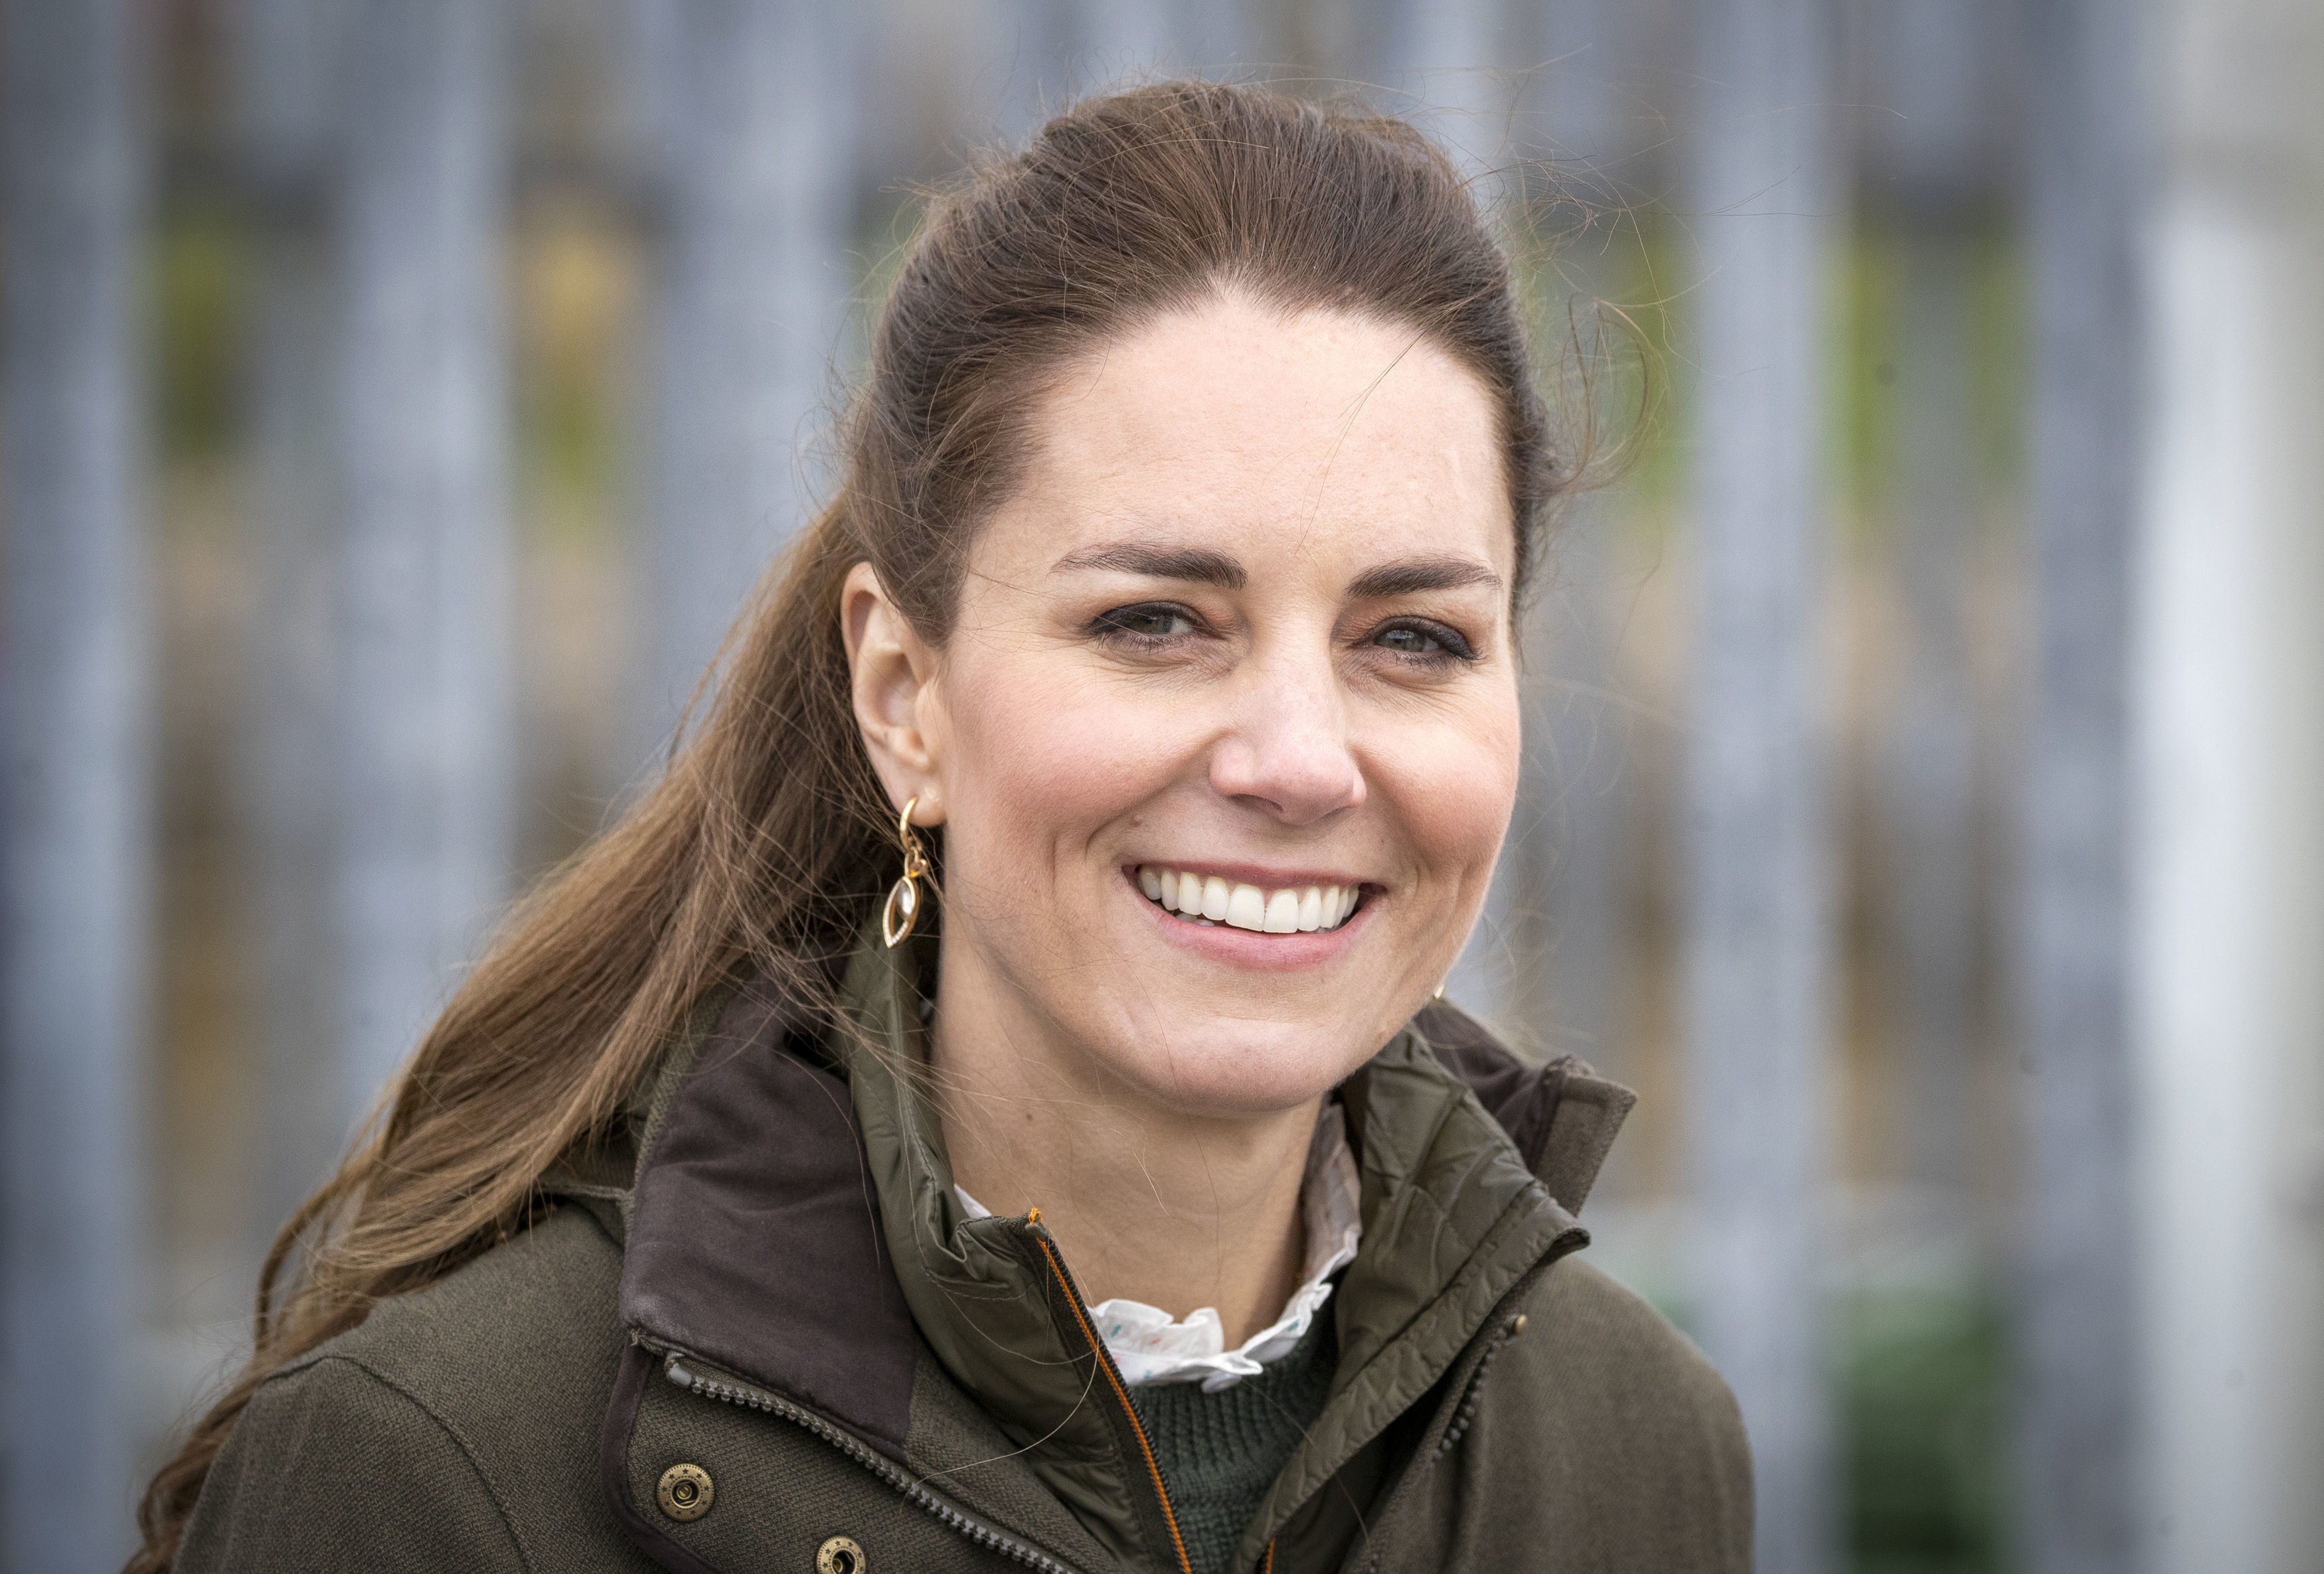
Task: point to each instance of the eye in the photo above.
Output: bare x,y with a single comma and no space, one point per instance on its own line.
1144,622
1423,639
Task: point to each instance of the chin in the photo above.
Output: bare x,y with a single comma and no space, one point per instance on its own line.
1233,1069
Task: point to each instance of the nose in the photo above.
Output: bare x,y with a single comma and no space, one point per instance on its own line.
1287,751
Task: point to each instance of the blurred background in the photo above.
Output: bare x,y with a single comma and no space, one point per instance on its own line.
1924,794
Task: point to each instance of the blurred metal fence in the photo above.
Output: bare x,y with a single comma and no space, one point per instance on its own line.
1925,792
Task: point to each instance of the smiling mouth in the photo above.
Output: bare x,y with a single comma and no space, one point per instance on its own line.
1196,899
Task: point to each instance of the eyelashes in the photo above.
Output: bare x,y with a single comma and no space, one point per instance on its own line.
1423,639
1149,626
1144,623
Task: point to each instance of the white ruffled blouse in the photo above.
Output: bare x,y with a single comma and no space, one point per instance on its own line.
1150,1346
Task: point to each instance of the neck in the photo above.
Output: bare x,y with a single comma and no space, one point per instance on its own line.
1179,1210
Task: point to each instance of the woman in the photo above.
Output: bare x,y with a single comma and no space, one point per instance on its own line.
1130,1206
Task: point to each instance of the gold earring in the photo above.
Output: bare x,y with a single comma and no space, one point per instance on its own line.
902,912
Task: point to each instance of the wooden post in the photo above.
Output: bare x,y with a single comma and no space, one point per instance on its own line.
2227,975
426,810
746,111
1765,199
2079,1438
76,855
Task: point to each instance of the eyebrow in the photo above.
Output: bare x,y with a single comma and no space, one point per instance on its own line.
1415,574
1195,564
1201,565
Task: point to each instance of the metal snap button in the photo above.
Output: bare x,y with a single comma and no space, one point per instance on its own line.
839,1555
684,1491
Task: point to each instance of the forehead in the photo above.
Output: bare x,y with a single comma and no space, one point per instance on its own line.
1324,438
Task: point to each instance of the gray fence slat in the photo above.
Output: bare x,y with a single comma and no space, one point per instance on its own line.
1765,199
284,63
2076,1326
426,808
746,111
77,851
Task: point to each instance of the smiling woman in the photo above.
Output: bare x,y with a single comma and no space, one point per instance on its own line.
1123,1203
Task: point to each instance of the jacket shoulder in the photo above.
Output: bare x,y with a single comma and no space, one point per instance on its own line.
1623,1438
525,1318
491,1383
331,1468
1596,1322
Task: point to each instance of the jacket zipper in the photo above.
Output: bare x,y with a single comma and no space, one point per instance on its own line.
1121,1390
730,1389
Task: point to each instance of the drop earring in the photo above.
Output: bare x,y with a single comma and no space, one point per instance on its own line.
902,913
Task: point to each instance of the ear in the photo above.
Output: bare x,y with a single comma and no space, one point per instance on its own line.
898,702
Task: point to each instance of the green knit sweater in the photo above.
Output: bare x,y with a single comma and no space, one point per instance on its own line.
1219,1452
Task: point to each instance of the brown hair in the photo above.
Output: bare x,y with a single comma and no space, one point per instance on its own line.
768,839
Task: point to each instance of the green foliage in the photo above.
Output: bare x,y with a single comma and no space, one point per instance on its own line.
1865,368
1864,351
1924,1418
199,292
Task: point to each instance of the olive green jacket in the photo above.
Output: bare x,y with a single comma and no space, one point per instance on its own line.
771,1341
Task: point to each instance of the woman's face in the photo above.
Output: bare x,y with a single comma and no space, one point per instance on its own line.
1239,646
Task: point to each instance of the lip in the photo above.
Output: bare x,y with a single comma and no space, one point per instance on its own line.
1243,948
1252,874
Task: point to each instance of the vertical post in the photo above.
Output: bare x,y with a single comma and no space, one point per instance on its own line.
2228,712
76,833
1450,59
1765,198
744,108
1929,760
285,56
1565,868
2086,159
425,805
1931,154
1578,56
1571,857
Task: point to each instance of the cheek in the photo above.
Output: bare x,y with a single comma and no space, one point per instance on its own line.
1037,763
1454,787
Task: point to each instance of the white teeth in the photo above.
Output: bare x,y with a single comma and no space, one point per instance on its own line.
1209,899
1247,908
1215,897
